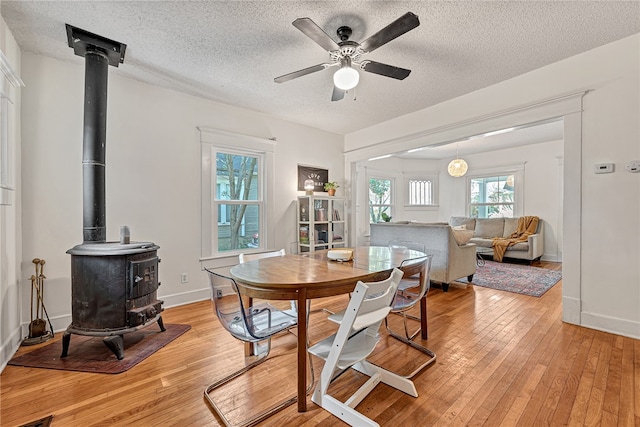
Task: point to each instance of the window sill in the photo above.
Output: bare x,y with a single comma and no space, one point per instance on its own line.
422,207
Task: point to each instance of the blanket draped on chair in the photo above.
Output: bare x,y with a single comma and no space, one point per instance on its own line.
527,225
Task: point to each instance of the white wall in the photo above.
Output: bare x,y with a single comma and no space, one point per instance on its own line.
608,268
10,220
153,173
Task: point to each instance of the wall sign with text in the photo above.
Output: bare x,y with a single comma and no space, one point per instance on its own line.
319,177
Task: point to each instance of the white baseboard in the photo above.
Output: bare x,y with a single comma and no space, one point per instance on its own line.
183,298
571,310
551,257
9,348
612,325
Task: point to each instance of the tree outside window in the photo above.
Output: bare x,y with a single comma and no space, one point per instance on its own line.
237,201
492,197
380,200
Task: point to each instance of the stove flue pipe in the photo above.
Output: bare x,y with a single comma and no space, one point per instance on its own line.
99,53
94,147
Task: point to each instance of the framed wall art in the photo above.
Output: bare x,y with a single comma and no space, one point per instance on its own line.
318,175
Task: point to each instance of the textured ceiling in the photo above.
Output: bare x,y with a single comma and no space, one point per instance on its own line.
230,51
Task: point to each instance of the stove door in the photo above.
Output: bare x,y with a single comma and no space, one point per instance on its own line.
143,277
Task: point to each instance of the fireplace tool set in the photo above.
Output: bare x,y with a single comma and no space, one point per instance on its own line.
38,327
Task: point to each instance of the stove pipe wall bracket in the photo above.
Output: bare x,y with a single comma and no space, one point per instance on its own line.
99,53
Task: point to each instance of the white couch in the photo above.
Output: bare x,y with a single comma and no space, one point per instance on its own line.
485,229
449,261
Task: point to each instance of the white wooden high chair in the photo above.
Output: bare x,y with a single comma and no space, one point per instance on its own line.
349,347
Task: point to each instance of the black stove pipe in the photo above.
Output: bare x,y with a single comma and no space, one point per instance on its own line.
99,52
94,147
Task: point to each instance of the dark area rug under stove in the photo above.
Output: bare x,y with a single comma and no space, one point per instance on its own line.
89,354
517,278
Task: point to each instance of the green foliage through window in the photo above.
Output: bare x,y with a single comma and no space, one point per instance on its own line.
492,197
379,199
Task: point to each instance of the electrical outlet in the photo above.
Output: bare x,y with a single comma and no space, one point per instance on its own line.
184,278
633,166
218,293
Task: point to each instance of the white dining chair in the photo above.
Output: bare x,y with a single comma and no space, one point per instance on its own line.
246,257
350,346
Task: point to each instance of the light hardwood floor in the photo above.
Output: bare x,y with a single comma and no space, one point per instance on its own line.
503,360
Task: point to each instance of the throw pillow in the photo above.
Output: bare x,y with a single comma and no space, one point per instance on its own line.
489,227
510,226
462,235
469,222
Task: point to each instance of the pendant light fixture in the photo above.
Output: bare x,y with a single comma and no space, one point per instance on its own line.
457,167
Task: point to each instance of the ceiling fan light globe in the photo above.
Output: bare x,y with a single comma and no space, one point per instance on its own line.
346,78
457,168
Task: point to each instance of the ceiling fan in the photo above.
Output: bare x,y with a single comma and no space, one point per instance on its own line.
348,54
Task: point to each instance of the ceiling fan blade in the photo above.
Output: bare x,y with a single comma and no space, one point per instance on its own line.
337,94
315,33
300,73
385,70
406,22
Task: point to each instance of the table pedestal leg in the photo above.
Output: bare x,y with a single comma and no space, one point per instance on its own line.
423,318
250,349
423,311
302,350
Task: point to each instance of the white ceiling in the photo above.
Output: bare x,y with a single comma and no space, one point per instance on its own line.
230,51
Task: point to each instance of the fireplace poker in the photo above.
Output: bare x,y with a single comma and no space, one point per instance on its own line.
44,309
33,285
36,261
42,277
37,327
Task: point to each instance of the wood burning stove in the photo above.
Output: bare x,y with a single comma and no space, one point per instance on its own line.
113,284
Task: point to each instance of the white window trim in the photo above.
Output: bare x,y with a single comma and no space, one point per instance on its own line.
423,176
9,82
211,139
517,170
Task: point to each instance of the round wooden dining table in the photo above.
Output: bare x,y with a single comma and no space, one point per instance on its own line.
313,275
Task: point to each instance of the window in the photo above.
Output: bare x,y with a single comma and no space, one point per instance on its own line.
237,179
492,196
237,200
380,199
421,191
